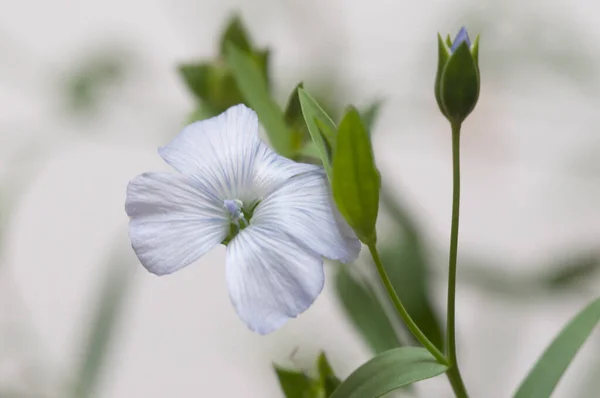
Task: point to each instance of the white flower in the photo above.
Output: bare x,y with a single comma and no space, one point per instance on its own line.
278,214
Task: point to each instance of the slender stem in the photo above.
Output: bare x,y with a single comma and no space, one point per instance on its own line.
412,326
453,372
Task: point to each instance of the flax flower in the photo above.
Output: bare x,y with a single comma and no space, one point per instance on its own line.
276,217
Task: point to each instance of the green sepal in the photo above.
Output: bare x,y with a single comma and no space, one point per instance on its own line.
443,56
475,51
459,85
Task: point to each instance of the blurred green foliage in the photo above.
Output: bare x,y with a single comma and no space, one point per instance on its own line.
296,384
547,372
365,311
87,83
212,82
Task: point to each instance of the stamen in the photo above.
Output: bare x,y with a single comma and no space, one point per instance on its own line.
234,207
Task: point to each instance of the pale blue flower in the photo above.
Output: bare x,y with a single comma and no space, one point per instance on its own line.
461,37
278,214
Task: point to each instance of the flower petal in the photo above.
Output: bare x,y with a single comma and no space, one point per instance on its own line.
271,278
219,152
272,170
303,208
172,223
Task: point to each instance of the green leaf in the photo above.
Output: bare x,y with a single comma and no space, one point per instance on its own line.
328,379
545,375
388,371
197,78
254,89
370,114
310,151
295,120
294,384
96,345
408,267
401,215
236,34
408,271
356,182
571,273
213,86
262,60
366,312
314,114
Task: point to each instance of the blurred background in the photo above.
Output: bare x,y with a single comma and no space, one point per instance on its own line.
89,89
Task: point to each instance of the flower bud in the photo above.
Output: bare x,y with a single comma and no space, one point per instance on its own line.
457,78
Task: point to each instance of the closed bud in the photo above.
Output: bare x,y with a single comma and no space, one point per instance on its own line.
457,78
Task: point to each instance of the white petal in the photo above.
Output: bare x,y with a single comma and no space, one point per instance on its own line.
172,223
304,209
272,170
219,152
271,278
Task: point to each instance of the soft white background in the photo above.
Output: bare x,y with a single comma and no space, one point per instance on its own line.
531,183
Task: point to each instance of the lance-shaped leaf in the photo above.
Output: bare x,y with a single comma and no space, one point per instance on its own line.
295,120
389,371
545,375
328,380
366,312
356,181
321,128
254,89
236,34
370,114
294,384
408,271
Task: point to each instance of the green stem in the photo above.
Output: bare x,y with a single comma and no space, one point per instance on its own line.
412,326
453,372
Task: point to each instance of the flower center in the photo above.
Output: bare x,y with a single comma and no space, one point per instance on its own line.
234,207
240,217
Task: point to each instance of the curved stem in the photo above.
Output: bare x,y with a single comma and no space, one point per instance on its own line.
412,326
453,372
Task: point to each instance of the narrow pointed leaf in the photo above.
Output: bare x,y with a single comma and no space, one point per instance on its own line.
389,371
370,114
356,182
295,120
236,34
545,375
253,86
329,381
294,384
312,113
366,312
408,271
197,78
96,344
